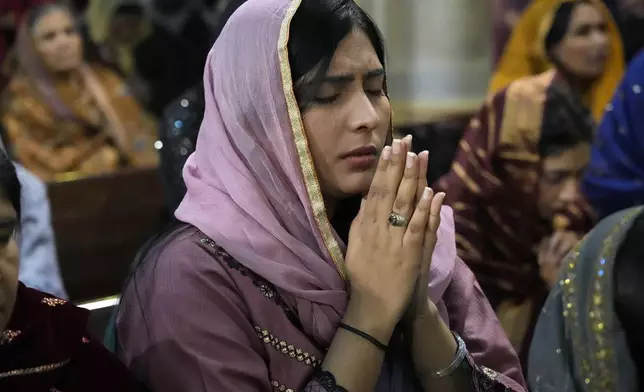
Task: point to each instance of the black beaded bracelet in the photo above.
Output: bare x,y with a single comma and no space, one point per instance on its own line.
363,335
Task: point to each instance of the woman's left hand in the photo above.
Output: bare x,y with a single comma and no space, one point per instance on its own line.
420,305
552,252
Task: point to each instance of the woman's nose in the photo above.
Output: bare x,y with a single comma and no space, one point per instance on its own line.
570,191
363,114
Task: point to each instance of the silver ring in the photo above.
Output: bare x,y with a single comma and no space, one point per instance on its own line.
397,220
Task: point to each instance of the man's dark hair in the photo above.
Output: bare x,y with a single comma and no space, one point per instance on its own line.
566,123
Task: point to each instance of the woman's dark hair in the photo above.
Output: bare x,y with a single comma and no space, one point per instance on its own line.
566,123
35,13
628,295
310,52
316,30
9,181
560,25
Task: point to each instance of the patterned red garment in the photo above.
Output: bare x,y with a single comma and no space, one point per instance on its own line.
46,347
492,187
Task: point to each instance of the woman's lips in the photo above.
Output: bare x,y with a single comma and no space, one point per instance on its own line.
362,158
362,162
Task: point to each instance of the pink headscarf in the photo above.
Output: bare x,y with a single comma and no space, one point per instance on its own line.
251,183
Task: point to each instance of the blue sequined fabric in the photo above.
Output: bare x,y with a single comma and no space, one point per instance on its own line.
178,131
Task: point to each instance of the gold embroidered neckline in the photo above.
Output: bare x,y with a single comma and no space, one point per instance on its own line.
34,370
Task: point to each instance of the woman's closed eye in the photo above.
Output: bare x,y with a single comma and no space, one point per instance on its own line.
326,99
328,93
6,236
7,229
48,36
374,91
374,83
587,29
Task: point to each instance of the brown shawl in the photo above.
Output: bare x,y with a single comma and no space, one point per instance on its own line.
88,123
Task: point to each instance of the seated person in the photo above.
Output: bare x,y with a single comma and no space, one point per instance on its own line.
44,343
160,46
272,189
118,28
524,54
64,115
514,184
615,177
589,335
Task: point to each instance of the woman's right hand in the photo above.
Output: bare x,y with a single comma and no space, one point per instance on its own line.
383,260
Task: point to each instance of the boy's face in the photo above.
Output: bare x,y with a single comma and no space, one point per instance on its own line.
560,180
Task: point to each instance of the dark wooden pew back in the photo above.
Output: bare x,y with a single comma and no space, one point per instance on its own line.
100,222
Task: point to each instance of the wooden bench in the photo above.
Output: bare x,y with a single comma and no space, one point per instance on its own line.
100,223
101,312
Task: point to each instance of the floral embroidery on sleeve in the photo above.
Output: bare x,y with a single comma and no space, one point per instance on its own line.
8,335
286,348
485,379
49,301
277,387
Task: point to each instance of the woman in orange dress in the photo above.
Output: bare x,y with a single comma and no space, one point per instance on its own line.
524,54
63,115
